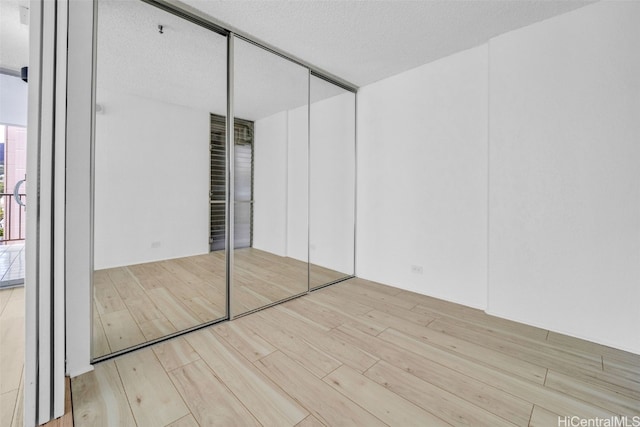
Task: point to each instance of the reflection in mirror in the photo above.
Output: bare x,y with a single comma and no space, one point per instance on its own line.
271,153
332,183
158,91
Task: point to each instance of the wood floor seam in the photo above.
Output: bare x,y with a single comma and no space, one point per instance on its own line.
413,403
545,377
465,355
233,394
357,404
531,415
124,390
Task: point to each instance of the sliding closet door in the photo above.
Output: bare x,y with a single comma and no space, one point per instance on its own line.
332,188
159,81
271,101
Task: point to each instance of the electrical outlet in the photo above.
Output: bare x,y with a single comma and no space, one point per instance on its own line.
312,247
155,244
416,269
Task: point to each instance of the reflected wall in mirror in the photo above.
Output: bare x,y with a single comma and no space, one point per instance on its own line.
332,183
156,94
272,94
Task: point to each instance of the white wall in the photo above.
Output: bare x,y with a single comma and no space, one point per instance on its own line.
280,184
298,184
565,174
422,179
13,102
332,180
270,184
564,182
151,180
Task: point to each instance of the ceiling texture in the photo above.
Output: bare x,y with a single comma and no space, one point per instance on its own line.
186,65
359,41
366,41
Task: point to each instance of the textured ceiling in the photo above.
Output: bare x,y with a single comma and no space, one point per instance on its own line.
358,41
366,41
186,65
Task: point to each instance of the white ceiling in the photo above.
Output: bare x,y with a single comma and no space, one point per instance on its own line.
358,41
186,65
366,41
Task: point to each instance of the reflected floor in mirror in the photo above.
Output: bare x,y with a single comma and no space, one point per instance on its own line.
320,276
139,303
261,278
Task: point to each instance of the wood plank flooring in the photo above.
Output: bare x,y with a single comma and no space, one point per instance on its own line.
138,303
360,353
11,356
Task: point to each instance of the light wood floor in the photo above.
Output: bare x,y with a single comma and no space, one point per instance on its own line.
364,354
11,356
139,303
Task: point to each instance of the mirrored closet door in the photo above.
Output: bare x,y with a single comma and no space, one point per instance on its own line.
332,183
271,178
193,224
159,180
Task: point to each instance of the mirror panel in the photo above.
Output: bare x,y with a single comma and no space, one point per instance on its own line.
270,259
157,189
332,183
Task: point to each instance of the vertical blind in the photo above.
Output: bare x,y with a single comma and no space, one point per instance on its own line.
243,131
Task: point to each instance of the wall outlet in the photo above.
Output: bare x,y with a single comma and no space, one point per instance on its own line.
312,247
155,244
416,269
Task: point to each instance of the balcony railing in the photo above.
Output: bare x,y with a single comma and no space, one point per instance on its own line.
12,217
